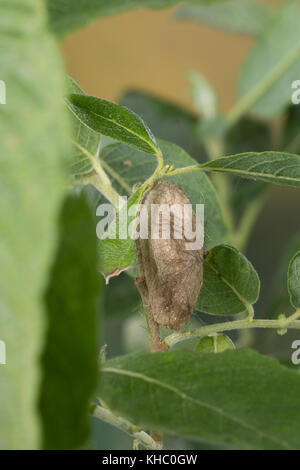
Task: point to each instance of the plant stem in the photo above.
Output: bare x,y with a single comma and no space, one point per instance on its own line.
289,322
141,436
250,311
240,238
293,317
99,179
116,176
156,343
187,169
159,170
160,161
215,148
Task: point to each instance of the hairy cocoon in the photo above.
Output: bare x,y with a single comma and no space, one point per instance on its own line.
172,275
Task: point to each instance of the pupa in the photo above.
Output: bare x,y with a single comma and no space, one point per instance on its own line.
171,274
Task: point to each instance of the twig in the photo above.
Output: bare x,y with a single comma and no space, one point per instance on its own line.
141,436
289,322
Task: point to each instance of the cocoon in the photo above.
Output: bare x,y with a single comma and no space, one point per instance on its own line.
171,274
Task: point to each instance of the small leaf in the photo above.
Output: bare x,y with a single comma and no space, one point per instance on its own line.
273,64
238,16
214,344
118,254
70,357
279,296
113,120
272,167
239,398
294,280
230,282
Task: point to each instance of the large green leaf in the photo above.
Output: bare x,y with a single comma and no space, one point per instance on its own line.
67,15
167,121
33,129
113,120
294,280
238,16
236,398
134,167
70,357
272,167
273,64
230,282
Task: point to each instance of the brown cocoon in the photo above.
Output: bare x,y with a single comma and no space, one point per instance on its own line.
171,275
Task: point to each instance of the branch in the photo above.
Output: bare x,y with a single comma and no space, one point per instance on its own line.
141,436
282,323
100,179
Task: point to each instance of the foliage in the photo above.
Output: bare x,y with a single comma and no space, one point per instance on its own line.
71,299
32,177
51,293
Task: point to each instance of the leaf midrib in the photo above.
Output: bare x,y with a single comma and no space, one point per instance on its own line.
198,402
239,296
235,158
130,131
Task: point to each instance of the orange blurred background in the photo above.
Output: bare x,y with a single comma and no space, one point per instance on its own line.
151,50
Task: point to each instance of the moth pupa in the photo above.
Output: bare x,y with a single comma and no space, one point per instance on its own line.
171,263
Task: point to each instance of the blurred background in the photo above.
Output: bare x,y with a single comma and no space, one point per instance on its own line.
152,51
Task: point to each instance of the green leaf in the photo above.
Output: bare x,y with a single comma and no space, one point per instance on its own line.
239,399
238,16
67,15
272,167
82,135
121,298
167,121
279,296
132,166
116,253
203,95
113,120
273,64
248,135
294,280
33,129
70,357
214,344
230,282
